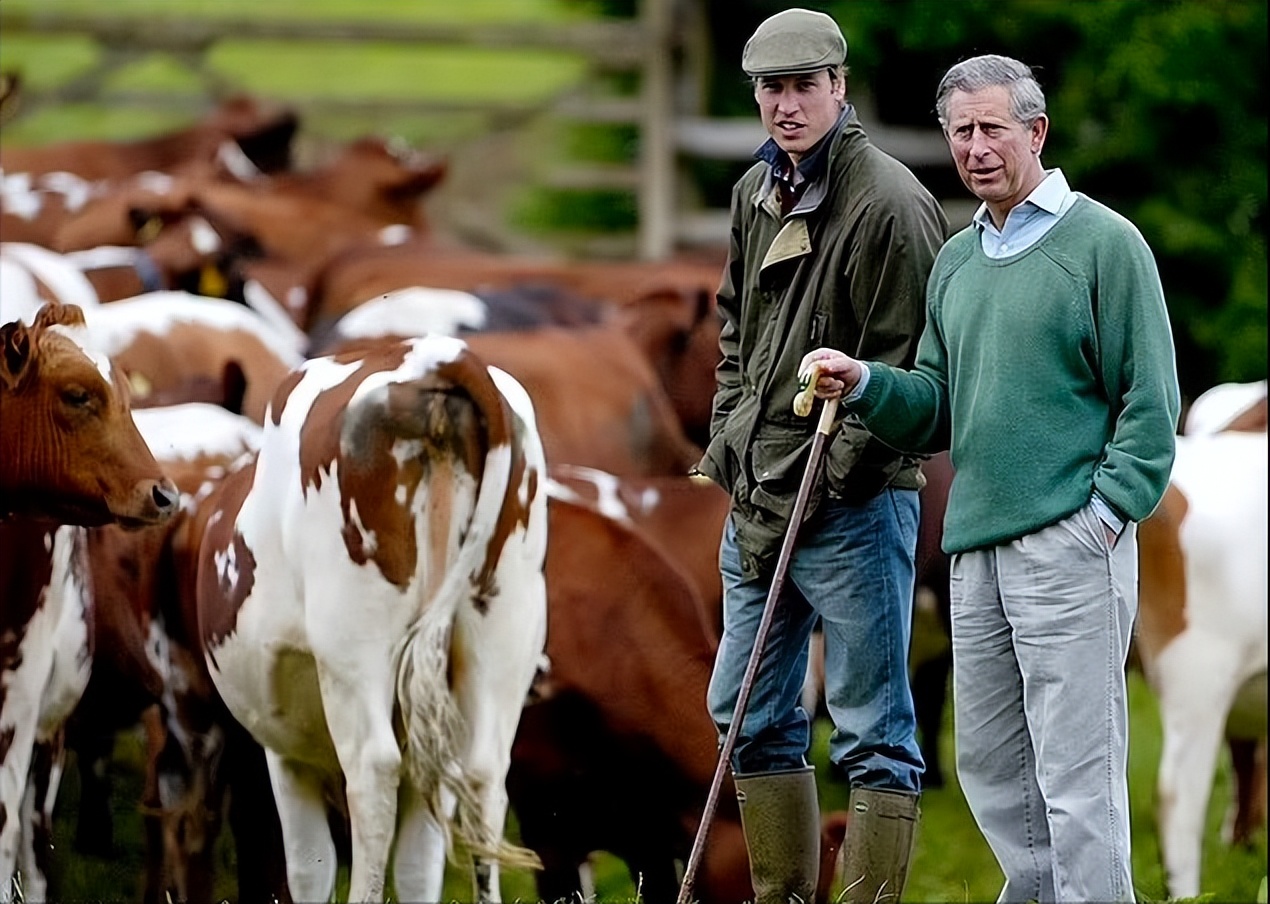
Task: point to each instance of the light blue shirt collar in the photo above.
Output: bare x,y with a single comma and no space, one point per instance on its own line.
1027,222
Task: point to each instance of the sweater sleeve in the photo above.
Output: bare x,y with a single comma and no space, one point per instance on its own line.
1138,369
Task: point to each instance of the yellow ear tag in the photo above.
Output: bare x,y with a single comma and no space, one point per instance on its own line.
149,231
139,384
211,282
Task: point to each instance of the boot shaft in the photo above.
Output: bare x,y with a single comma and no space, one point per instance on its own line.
780,814
879,845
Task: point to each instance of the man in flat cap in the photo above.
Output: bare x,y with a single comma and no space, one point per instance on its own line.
831,244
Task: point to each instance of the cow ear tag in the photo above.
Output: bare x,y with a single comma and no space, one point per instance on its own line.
211,282
149,231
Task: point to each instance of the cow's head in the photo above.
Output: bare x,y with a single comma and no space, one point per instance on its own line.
71,450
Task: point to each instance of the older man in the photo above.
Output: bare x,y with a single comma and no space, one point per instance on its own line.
831,243
1047,362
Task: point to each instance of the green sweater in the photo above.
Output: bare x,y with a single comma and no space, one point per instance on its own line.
1048,374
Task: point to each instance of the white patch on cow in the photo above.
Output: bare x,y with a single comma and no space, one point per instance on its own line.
404,450
115,326
370,544
226,561
297,297
154,181
238,163
104,256
261,300
205,239
608,499
195,429
15,182
76,191
1220,405
81,337
414,311
396,234
67,283
18,197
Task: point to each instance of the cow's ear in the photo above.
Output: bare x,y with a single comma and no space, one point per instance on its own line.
422,179
55,313
15,352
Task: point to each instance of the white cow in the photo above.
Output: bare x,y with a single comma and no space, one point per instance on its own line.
373,607
1202,626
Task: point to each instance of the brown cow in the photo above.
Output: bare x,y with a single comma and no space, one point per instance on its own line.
264,134
618,751
71,449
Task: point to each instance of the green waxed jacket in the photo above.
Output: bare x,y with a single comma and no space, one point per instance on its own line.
846,268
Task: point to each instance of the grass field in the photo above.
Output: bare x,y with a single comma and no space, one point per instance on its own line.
952,863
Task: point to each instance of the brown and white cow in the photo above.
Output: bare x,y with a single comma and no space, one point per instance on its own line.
373,609
177,347
1202,626
148,669
45,658
71,451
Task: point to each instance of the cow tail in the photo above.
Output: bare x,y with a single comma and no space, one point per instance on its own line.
434,726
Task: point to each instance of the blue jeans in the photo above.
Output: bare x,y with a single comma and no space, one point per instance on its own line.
854,568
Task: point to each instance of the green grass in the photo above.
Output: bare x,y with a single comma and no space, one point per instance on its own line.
952,862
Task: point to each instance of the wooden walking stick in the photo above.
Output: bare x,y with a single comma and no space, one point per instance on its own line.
802,407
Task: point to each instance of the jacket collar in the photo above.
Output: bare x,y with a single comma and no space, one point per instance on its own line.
812,168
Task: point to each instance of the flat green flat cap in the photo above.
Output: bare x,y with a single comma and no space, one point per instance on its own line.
794,42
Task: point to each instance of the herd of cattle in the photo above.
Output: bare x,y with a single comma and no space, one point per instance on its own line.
374,535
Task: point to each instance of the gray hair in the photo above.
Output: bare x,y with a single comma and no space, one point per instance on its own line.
1027,100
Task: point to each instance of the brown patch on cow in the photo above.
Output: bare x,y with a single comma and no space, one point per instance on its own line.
320,435
282,393
1162,578
6,741
447,412
219,597
1251,420
26,567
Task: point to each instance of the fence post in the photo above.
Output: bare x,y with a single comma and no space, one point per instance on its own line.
656,200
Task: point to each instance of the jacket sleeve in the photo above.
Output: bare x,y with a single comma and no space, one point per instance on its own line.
728,372
887,275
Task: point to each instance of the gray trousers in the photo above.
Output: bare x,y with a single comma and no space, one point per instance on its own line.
1041,630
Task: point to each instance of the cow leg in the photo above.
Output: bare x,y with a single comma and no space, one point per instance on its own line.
1193,709
356,696
505,643
420,850
94,824
310,849
1248,810
253,820
37,818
